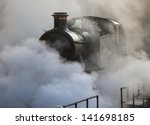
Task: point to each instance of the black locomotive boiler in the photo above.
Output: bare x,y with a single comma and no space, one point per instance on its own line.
83,39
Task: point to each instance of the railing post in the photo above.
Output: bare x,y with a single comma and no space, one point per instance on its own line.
76,105
143,103
127,94
121,92
87,103
133,101
97,98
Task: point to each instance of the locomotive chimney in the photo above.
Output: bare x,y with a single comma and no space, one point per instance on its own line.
60,20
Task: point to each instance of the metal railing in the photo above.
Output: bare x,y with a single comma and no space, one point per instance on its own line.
121,95
75,104
132,99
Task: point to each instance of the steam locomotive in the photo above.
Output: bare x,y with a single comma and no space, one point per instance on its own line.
83,39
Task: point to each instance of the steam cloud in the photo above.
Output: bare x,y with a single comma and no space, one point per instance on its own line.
132,69
33,76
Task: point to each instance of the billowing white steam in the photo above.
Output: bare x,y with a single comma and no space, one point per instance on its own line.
31,75
130,13
132,69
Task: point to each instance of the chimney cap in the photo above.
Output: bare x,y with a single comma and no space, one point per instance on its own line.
60,14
